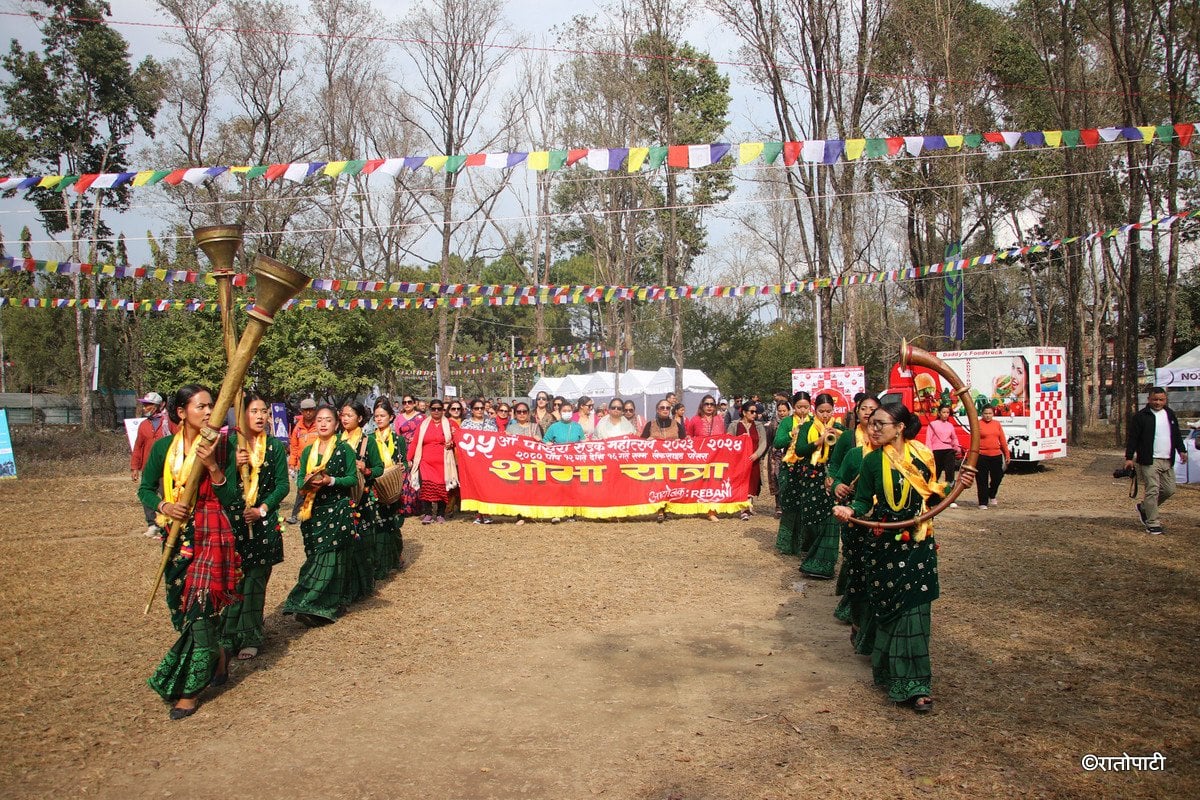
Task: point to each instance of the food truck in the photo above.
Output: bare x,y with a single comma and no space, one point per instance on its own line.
1024,386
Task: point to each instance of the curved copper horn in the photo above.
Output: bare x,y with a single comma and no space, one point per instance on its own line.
910,354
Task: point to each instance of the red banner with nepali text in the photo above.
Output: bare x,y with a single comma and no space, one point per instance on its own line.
511,475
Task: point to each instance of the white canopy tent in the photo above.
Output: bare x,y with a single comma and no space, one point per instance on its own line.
1181,373
643,387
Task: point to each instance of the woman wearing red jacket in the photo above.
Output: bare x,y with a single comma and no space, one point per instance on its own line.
993,458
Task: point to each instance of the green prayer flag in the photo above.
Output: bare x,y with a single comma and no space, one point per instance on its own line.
1071,138
354,167
558,159
1165,133
454,163
972,140
771,151
656,158
876,148
251,174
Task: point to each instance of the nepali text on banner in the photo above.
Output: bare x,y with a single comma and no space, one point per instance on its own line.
511,475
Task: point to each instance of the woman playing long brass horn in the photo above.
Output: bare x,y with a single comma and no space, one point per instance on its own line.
202,577
896,484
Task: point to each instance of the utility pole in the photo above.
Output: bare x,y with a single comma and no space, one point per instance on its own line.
512,366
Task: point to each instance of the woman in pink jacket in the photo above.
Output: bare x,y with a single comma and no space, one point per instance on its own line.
941,435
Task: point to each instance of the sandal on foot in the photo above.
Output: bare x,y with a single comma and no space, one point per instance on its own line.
179,712
247,653
922,707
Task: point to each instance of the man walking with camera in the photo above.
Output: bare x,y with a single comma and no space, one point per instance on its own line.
1153,443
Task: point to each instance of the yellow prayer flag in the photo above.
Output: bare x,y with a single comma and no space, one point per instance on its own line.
954,141
49,181
540,160
1053,138
239,169
855,148
1147,132
637,157
437,163
143,176
748,151
334,168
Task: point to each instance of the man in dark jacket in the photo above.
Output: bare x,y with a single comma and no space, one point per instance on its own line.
1153,443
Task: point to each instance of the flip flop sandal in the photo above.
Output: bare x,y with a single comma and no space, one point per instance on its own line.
923,708
247,653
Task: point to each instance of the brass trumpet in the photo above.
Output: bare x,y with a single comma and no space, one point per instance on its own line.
277,283
831,437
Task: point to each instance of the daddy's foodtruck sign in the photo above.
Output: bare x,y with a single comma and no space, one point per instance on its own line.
510,475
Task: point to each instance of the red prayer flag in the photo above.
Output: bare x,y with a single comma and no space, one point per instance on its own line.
175,178
372,165
575,155
1184,131
85,181
274,172
1089,136
677,156
791,152
995,137
475,160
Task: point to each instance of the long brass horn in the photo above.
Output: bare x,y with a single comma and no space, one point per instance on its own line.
277,283
220,243
911,355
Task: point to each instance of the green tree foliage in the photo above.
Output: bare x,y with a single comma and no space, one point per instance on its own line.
73,107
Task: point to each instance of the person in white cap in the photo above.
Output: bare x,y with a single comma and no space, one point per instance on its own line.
154,427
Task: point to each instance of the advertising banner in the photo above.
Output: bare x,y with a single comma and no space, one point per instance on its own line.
279,421
841,383
510,475
8,464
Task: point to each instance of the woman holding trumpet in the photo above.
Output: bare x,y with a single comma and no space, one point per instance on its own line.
806,439
202,576
392,449
898,482
327,472
825,530
260,473
365,509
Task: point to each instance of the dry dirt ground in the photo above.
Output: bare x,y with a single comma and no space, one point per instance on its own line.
623,660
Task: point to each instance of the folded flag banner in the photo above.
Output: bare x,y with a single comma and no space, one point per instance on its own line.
510,475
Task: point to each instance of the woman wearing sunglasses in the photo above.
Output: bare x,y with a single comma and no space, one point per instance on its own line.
541,413
522,423
635,419
479,421
409,419
434,471
749,425
454,411
614,425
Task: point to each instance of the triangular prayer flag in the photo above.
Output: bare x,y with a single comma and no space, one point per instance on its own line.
175,177
475,160
1011,138
455,163
658,154
538,160
854,149
994,137
334,168
717,151
953,141
436,163
196,175
49,181
512,159
576,154
142,177
414,163
1131,134
791,152
1089,136
1071,138
353,167
913,145
894,143
275,171
1109,134
1184,131
748,151
1147,132
972,140
934,143
771,151
105,180
495,160
1052,138
558,159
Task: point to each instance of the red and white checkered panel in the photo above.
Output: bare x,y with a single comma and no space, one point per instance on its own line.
1049,408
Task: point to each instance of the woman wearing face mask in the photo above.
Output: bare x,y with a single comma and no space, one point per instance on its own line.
202,577
260,473
851,582
328,472
392,449
897,483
